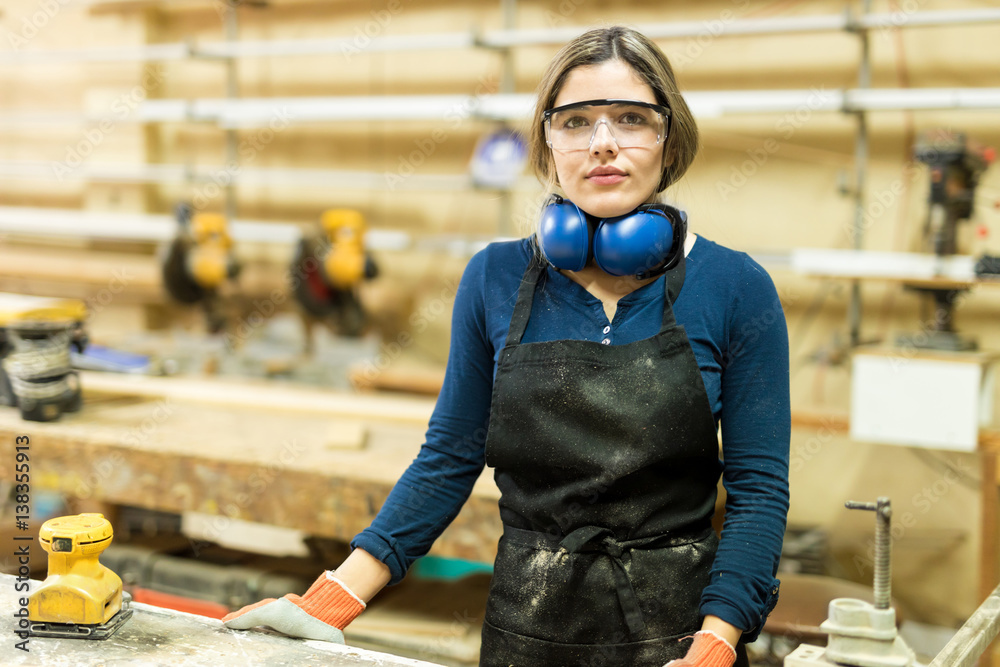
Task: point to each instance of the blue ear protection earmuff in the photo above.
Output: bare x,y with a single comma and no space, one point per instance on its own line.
643,243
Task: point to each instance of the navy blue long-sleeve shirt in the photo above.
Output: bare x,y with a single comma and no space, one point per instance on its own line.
734,321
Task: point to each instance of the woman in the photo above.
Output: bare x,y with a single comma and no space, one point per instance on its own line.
594,385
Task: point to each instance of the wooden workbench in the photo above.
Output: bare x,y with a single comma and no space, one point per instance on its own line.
155,636
259,453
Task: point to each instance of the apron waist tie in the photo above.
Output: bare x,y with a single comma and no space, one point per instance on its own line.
602,540
595,538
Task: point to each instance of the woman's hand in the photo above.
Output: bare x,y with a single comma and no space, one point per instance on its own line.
712,645
326,608
322,613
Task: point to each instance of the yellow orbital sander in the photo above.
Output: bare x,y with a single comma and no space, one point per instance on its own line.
80,598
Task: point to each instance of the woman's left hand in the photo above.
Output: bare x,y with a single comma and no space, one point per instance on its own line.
707,650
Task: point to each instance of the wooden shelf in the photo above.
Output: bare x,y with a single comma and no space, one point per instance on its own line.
486,39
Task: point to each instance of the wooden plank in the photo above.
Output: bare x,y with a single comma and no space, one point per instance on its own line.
347,434
841,423
424,381
974,637
159,636
125,271
989,555
262,395
835,421
979,357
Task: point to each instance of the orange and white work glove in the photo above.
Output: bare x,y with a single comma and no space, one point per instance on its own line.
707,650
322,613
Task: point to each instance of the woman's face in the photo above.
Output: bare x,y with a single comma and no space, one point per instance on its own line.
617,193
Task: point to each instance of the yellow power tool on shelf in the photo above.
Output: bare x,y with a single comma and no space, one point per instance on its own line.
200,261
80,598
36,337
328,268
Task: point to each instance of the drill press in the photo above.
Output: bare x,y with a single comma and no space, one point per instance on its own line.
80,598
955,167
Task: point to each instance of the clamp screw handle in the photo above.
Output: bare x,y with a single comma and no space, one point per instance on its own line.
883,547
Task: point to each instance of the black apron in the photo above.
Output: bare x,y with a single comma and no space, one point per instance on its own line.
607,460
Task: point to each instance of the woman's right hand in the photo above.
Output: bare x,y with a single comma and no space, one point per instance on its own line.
327,607
321,613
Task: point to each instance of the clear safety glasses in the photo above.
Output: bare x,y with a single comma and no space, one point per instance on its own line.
572,127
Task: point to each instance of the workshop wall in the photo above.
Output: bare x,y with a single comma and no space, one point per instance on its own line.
764,183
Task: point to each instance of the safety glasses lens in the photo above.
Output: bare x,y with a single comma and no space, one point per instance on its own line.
631,126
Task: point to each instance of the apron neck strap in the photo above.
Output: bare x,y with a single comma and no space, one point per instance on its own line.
525,297
673,282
